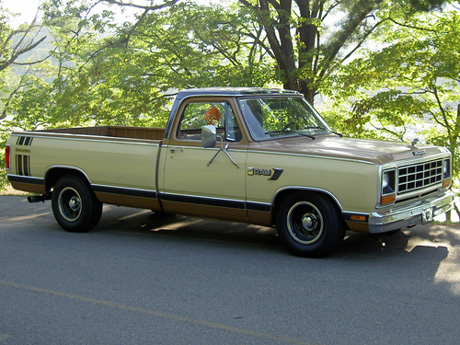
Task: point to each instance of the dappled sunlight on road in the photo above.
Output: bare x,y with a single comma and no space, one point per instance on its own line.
134,215
29,217
17,211
173,226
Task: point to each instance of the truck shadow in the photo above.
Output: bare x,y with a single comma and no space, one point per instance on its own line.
148,223
432,243
425,257
428,243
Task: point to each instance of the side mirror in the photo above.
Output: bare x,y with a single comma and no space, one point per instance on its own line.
208,136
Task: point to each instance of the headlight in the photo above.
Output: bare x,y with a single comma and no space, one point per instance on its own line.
388,192
446,168
446,174
388,182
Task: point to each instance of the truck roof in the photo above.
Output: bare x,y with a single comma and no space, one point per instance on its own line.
232,91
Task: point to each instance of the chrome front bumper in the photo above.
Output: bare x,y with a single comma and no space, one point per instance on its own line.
409,215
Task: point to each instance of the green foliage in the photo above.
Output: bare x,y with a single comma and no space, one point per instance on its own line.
426,5
310,39
407,88
121,77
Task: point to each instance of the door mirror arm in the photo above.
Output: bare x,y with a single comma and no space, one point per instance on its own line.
209,139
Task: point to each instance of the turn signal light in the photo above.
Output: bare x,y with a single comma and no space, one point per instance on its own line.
387,199
7,157
446,183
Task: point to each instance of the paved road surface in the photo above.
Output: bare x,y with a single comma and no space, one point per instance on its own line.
140,279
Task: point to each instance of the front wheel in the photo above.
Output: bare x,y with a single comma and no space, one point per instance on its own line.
75,207
309,225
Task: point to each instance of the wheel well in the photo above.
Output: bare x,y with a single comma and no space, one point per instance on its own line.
284,193
53,175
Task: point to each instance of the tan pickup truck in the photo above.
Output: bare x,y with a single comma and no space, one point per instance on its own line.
251,155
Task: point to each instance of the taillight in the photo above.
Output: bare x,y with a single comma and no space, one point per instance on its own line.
7,157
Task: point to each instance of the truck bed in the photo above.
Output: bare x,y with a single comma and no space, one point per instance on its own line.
145,133
119,162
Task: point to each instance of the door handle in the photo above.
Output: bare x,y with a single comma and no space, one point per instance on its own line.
174,150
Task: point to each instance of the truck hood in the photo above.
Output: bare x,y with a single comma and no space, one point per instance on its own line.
374,151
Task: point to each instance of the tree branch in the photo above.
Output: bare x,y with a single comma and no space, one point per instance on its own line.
446,123
413,26
354,20
144,7
20,47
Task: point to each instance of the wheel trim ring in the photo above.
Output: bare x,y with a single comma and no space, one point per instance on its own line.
70,206
305,223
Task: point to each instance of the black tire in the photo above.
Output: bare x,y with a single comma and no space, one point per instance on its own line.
75,206
310,225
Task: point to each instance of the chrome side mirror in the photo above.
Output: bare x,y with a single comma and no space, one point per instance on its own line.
208,136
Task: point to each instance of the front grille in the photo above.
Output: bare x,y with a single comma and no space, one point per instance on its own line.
419,176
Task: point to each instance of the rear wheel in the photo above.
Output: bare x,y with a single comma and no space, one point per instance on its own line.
75,206
309,225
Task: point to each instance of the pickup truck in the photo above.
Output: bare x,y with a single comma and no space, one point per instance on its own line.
253,155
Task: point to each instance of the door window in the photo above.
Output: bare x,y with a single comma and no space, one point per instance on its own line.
199,114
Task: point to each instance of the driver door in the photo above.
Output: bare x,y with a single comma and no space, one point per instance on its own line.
194,185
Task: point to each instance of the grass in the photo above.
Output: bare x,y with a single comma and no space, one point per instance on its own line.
10,191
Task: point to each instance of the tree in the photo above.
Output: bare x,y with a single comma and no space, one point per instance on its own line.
15,44
416,76
122,77
406,89
310,39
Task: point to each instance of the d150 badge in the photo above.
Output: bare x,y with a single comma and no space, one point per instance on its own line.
274,173
419,153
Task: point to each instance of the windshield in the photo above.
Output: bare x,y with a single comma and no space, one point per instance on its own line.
280,117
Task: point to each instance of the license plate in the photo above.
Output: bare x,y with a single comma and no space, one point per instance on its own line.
427,215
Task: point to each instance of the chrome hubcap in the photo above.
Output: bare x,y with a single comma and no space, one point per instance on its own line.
74,203
70,206
308,222
305,223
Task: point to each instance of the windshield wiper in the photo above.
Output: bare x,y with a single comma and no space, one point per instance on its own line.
322,128
304,134
291,131
315,127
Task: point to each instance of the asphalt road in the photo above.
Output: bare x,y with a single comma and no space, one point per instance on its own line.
140,279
